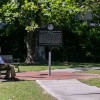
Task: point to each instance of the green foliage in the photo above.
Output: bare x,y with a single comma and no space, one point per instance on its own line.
95,11
9,12
61,16
28,16
79,39
31,13
27,12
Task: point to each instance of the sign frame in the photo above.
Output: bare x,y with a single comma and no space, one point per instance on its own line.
49,36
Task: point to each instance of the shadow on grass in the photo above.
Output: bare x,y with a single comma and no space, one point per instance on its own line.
8,80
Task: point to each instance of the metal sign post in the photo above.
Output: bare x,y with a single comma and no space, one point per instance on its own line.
49,62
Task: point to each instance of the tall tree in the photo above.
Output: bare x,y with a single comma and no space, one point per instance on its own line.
31,14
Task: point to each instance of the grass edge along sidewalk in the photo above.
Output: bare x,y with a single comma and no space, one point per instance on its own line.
23,90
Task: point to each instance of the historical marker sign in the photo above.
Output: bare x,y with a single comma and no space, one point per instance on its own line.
49,35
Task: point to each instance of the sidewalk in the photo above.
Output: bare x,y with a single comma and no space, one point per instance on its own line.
71,89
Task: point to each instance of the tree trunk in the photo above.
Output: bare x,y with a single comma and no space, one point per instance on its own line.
30,41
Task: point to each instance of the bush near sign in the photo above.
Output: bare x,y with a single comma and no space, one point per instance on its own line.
49,37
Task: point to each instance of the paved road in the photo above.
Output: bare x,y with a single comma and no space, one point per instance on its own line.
71,89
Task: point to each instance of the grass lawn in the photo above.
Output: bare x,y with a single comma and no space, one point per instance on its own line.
23,90
92,82
91,71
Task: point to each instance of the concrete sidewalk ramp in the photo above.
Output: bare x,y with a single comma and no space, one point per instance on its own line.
71,89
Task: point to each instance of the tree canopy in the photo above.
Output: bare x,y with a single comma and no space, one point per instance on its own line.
32,14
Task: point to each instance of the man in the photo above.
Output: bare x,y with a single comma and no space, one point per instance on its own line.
10,73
